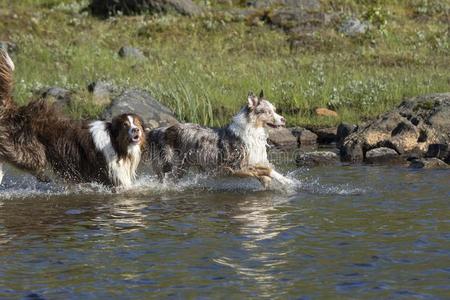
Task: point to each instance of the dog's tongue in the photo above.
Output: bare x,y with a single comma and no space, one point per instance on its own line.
274,126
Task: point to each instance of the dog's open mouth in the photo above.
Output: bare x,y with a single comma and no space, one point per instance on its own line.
275,126
135,138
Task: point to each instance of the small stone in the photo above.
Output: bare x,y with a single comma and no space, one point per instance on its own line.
428,163
354,27
325,112
34,296
382,155
317,158
130,52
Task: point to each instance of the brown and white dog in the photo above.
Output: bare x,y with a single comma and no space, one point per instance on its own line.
238,149
38,136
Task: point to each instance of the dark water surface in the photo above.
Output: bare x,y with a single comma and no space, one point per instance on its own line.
345,232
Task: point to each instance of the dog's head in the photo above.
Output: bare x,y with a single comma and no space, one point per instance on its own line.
128,130
262,113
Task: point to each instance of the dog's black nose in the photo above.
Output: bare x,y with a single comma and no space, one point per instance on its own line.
283,120
135,130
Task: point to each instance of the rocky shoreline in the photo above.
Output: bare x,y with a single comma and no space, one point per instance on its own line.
415,134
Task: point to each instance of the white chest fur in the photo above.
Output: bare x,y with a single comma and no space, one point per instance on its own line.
122,172
254,139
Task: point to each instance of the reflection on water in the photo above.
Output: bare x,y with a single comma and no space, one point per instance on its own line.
258,221
347,232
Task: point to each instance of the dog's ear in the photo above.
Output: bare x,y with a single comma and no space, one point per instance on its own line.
253,101
141,122
109,127
261,94
116,125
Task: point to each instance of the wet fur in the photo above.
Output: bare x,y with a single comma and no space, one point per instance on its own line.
237,149
38,136
177,148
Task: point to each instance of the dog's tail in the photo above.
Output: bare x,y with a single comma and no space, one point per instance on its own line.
6,78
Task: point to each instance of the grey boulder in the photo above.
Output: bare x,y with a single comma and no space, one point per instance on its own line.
428,163
305,137
316,158
440,151
61,96
419,126
343,131
106,8
297,20
142,103
382,155
302,4
327,135
102,91
282,138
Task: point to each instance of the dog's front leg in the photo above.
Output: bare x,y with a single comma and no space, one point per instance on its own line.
262,173
1,172
242,173
265,181
280,178
266,174
41,176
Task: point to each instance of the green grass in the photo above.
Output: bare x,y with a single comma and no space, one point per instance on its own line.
203,67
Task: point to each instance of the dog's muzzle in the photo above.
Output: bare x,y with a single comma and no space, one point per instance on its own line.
135,135
278,121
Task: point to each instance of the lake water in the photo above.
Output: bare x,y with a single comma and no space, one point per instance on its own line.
361,232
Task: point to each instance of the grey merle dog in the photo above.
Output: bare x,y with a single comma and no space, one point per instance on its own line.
238,149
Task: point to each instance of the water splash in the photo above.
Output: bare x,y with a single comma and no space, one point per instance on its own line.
315,185
196,181
27,186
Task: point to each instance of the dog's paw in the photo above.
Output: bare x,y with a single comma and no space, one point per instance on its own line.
43,178
281,178
265,181
262,168
286,181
